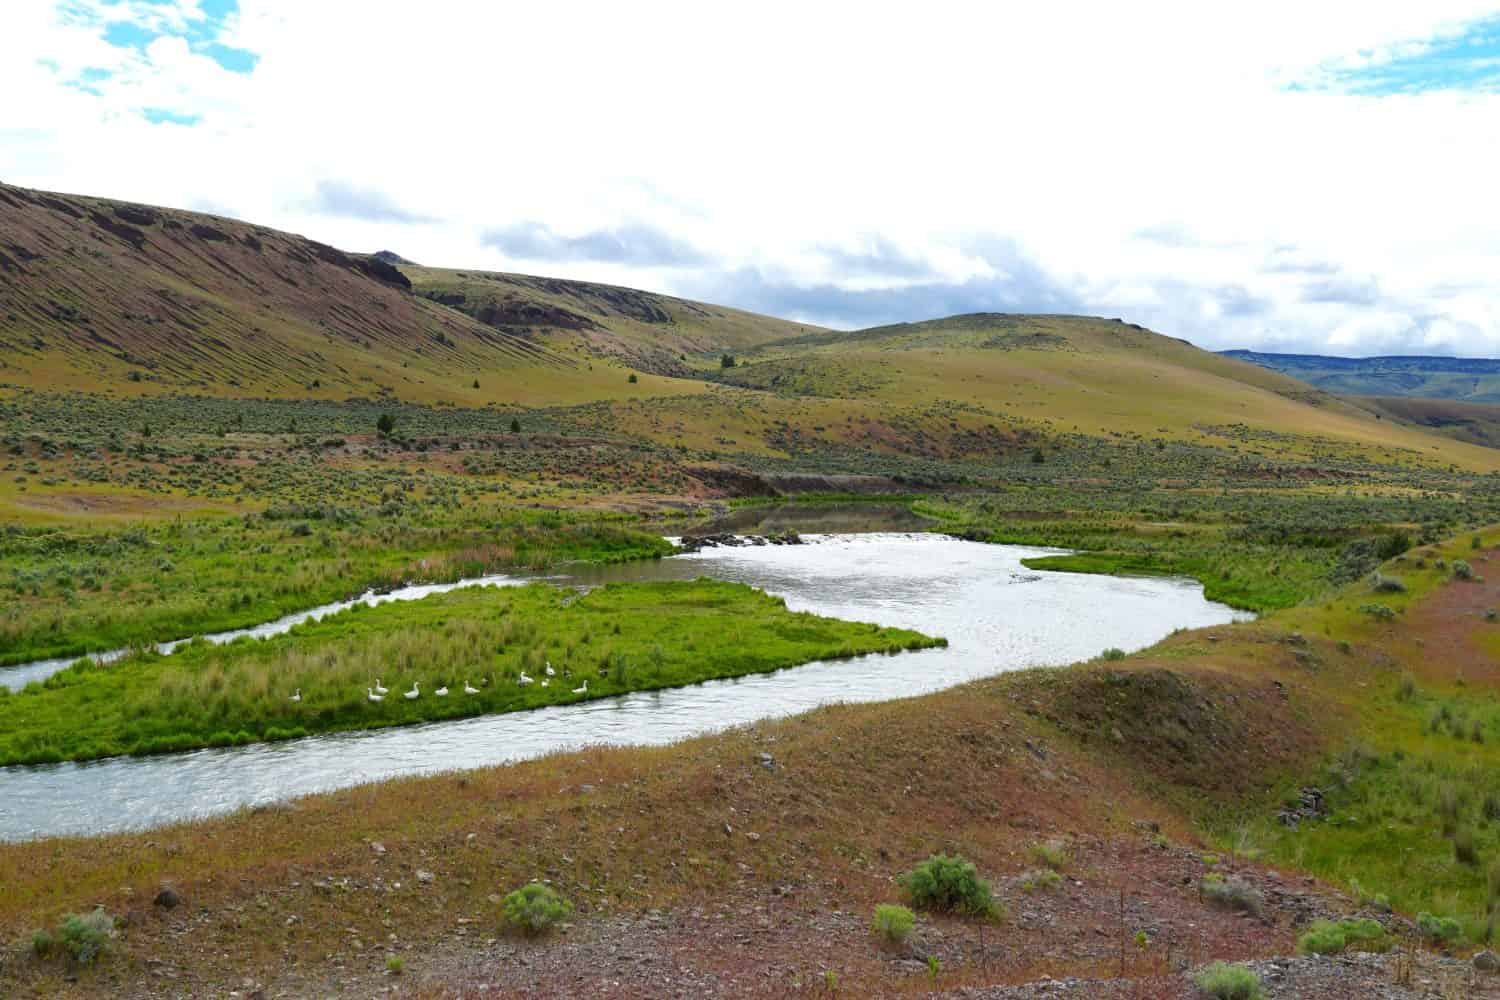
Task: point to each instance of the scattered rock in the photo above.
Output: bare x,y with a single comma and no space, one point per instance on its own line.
1311,805
424,876
1487,961
167,898
377,847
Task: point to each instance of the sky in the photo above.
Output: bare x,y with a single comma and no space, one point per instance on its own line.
1284,176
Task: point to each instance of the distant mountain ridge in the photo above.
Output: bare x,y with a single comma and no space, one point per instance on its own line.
1474,380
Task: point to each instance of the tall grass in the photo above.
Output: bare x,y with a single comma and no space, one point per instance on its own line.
617,638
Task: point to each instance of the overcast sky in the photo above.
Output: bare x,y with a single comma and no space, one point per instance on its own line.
1281,175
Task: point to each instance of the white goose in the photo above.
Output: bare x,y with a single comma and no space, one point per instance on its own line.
545,682
550,671
584,689
380,688
414,693
373,696
468,689
523,680
442,692
297,696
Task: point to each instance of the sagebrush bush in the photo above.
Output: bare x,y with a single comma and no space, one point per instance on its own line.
1234,893
893,923
1383,584
535,908
1223,981
1044,878
1052,853
1329,937
1438,929
950,885
85,936
1462,570
1114,653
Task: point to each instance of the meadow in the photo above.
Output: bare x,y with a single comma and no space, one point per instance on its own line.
487,649
71,591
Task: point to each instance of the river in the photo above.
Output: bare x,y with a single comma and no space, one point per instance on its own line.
996,614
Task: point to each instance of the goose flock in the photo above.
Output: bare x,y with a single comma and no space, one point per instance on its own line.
378,692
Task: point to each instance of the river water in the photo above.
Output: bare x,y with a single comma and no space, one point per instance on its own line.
996,614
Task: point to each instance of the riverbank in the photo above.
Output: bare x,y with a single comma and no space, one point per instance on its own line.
464,653
78,591
747,863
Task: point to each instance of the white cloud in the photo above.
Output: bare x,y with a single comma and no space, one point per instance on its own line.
828,145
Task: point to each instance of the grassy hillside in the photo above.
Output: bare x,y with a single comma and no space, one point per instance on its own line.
644,330
101,295
1476,423
1475,380
141,302
1096,377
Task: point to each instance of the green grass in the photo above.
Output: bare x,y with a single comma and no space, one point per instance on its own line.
70,592
1414,818
623,637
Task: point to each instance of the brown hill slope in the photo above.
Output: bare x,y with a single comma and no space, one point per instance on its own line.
98,294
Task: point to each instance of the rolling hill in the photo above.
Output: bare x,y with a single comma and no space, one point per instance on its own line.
109,297
1474,380
104,295
1089,376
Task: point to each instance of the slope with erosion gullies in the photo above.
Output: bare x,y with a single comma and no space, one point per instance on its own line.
1092,376
645,330
104,294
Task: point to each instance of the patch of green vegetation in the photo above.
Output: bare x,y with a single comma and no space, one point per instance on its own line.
1231,893
69,592
1259,550
489,650
1417,819
1223,981
82,937
1051,853
1330,937
893,923
950,885
534,909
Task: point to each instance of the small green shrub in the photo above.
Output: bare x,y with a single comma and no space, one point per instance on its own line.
1382,584
1113,653
893,923
395,965
1328,937
1233,893
42,942
535,908
1223,981
1052,853
1462,570
1380,612
1437,929
950,885
85,936
1044,878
